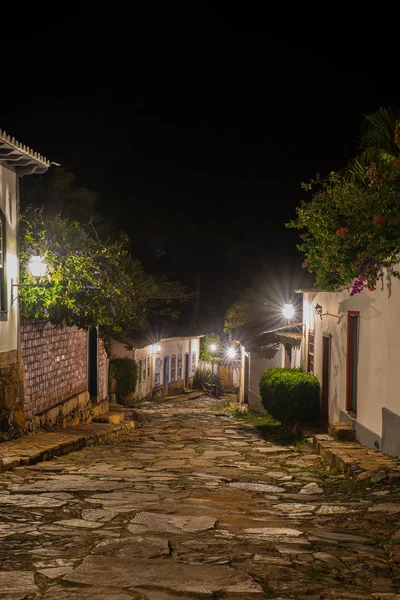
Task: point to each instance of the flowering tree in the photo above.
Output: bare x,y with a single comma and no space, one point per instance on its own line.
91,280
351,226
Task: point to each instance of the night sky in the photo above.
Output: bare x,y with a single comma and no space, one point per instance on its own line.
196,143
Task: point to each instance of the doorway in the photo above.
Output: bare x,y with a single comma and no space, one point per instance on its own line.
186,370
246,378
166,373
326,360
353,327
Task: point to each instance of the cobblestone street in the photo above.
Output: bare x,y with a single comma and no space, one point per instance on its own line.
195,503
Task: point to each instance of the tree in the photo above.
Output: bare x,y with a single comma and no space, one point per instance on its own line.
238,314
350,228
91,280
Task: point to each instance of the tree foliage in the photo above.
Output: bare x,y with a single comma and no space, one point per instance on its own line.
351,225
238,314
92,280
205,347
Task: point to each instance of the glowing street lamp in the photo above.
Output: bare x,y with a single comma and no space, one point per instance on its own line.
231,353
37,266
213,348
288,311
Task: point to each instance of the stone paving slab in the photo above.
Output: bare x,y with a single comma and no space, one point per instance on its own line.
34,448
110,522
355,459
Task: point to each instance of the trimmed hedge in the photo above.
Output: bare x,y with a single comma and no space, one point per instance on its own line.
290,395
125,373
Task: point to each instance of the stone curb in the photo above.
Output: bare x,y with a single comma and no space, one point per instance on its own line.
35,448
356,460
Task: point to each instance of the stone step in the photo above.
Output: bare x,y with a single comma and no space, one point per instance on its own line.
342,432
113,417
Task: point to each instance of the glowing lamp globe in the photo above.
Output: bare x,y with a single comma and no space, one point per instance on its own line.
157,348
213,347
37,266
231,352
288,311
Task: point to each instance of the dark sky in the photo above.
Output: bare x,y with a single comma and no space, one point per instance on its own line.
196,139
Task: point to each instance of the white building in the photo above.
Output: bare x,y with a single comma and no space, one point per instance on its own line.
167,366
352,344
15,160
278,346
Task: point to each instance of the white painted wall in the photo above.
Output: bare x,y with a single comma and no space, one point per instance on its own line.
379,350
167,348
8,205
259,364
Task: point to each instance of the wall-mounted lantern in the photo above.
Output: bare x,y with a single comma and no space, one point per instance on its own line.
38,268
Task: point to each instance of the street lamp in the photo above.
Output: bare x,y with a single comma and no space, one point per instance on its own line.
38,268
288,311
231,353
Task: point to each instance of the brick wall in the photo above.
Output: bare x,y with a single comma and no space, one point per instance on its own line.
55,364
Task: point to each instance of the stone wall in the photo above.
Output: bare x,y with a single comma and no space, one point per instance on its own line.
12,421
55,364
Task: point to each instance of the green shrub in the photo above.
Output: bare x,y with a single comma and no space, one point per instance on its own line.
290,395
125,373
204,375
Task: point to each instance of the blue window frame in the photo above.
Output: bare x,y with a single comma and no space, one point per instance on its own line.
173,367
179,368
193,362
157,371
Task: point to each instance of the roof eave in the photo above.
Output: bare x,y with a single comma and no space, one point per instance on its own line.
21,158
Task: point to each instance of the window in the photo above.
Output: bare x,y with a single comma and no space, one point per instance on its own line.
3,291
179,369
353,327
173,367
193,362
310,361
148,367
157,371
144,369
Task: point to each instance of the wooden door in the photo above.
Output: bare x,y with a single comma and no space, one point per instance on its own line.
246,378
326,359
226,374
353,326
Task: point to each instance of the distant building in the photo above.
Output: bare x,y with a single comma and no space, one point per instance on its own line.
16,160
167,366
264,344
352,344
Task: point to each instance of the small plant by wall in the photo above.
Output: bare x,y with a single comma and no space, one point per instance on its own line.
123,375
290,395
203,375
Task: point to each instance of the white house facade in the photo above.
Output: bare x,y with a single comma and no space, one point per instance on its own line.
15,160
168,366
262,350
352,344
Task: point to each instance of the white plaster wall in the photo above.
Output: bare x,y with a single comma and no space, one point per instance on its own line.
166,348
379,350
8,205
121,350
145,382
258,365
